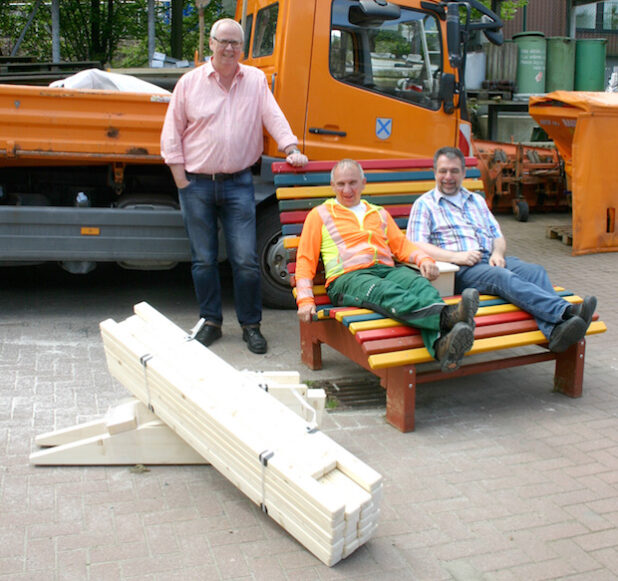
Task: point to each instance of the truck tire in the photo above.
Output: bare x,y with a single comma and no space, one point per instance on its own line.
521,210
276,290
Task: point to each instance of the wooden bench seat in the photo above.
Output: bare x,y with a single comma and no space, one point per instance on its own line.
395,352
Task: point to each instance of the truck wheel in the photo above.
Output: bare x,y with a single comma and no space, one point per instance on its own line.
276,290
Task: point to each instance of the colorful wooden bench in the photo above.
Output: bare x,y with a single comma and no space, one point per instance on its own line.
394,352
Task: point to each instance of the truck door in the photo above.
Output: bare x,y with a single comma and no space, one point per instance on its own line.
374,84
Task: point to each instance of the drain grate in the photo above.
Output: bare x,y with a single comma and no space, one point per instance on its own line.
352,393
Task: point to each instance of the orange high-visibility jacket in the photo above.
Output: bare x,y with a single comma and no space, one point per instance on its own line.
334,231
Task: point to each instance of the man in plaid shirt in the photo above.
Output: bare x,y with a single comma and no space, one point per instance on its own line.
454,225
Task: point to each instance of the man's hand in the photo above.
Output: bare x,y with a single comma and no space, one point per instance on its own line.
466,257
305,313
497,259
297,159
430,270
179,175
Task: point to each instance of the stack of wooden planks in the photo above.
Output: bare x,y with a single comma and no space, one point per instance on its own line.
319,492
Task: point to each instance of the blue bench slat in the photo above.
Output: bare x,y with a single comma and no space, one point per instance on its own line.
291,229
348,320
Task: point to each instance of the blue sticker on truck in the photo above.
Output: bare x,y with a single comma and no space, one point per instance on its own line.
384,127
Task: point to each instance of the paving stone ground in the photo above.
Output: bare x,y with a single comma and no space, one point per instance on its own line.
502,480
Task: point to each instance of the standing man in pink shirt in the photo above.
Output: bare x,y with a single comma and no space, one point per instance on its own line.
212,135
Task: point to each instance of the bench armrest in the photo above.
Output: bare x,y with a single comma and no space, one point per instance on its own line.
445,283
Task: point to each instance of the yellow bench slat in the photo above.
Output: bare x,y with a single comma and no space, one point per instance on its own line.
421,355
371,189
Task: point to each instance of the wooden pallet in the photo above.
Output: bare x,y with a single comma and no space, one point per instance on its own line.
320,493
564,233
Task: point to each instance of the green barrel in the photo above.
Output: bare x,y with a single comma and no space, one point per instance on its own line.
531,62
560,64
590,64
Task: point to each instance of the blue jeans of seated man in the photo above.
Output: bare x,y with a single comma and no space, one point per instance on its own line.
524,284
232,202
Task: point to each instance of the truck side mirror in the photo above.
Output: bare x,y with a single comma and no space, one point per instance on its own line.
453,34
491,25
447,92
373,12
494,36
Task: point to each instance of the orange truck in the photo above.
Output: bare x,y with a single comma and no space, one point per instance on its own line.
82,180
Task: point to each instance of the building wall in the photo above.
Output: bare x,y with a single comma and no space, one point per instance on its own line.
547,16
550,17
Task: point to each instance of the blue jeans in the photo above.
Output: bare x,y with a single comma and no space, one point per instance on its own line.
524,284
232,202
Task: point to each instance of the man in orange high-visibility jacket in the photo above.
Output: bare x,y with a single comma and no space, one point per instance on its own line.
359,243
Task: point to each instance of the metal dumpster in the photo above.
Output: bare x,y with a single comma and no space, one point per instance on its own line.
584,127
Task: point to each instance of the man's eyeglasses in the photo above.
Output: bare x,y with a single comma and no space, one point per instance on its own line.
233,43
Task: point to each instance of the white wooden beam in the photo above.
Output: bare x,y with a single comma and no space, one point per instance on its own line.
320,493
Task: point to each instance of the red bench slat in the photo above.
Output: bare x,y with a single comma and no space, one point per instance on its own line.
367,164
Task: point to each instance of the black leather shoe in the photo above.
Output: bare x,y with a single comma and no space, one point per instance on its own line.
462,312
254,339
451,348
208,334
566,334
585,310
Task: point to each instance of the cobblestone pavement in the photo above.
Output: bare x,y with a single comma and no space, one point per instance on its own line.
502,479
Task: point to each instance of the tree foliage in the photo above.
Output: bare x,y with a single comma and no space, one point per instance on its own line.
509,8
114,32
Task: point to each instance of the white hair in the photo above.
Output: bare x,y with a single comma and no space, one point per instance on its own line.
215,27
346,162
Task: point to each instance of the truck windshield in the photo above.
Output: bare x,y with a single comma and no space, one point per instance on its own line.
400,58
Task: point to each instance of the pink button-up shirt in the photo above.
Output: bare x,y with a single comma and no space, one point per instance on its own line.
210,130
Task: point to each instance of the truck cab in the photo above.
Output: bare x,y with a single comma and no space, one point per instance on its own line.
366,84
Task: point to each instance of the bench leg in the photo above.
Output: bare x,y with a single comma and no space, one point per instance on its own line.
569,375
400,385
310,346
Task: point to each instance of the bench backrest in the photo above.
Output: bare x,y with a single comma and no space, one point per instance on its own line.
394,184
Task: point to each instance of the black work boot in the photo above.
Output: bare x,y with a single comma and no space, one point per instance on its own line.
451,348
255,340
463,311
208,334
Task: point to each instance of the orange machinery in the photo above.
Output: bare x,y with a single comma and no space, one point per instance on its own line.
584,126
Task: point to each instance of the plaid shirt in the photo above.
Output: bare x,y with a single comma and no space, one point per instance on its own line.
435,219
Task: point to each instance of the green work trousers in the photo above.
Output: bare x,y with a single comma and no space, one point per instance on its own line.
400,293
